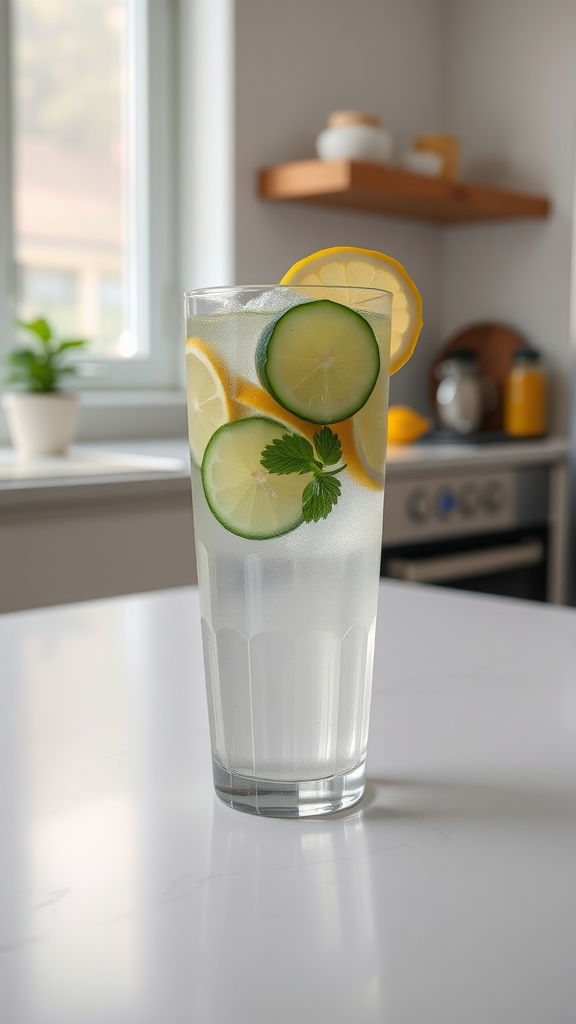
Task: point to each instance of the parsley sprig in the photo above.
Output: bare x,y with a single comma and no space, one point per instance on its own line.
293,453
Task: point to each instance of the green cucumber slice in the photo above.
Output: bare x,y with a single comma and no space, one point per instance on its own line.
244,497
319,360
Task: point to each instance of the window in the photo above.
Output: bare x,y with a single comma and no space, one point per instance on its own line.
92,140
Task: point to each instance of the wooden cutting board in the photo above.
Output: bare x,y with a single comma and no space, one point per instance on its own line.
495,346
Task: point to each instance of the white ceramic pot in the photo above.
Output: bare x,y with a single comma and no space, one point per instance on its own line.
40,424
351,135
354,142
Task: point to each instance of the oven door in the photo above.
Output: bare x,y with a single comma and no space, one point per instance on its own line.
511,564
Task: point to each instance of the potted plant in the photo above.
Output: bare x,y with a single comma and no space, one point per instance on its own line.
41,416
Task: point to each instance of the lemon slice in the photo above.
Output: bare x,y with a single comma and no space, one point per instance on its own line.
245,498
250,399
406,425
370,429
348,266
319,361
208,403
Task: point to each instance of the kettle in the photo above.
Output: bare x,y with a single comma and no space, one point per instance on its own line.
459,399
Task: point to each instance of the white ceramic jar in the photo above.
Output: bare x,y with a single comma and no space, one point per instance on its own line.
353,135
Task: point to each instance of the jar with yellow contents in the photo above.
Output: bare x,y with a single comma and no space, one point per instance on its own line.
526,396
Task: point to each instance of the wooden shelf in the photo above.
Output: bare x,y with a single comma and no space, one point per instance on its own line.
388,190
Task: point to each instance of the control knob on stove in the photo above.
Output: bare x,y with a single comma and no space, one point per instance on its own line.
418,505
494,496
468,500
445,502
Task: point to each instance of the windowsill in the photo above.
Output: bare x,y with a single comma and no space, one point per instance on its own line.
106,416
105,471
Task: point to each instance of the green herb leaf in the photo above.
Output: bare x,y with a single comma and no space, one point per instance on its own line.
293,453
328,447
319,497
290,453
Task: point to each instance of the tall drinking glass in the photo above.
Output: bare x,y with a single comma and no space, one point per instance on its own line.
287,412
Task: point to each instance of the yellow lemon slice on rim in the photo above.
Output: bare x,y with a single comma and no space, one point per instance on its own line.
354,268
208,404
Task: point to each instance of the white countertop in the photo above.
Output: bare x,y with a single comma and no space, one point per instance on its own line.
409,459
130,895
148,467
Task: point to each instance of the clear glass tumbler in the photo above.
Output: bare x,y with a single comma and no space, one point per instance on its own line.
287,412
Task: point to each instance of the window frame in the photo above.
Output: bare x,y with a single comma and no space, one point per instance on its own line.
155,303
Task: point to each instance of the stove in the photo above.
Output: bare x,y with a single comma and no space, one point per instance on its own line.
454,503
477,517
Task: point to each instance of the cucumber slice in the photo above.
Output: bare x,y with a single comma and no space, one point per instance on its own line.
244,497
319,360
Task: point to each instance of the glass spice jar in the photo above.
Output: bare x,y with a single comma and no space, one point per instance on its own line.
526,396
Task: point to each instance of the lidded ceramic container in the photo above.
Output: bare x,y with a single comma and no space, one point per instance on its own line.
353,135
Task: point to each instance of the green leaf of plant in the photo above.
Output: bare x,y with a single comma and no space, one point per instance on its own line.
70,343
41,368
319,497
23,357
43,377
40,327
16,377
290,453
328,447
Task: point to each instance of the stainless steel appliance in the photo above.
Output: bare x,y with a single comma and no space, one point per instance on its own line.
485,528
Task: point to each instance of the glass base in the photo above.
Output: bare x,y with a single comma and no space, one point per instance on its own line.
289,799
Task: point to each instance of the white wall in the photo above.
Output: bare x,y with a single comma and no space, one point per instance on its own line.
296,62
511,97
501,75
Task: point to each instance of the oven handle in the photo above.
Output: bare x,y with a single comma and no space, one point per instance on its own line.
467,563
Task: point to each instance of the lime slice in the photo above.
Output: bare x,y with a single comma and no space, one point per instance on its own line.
319,360
208,403
348,266
245,498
